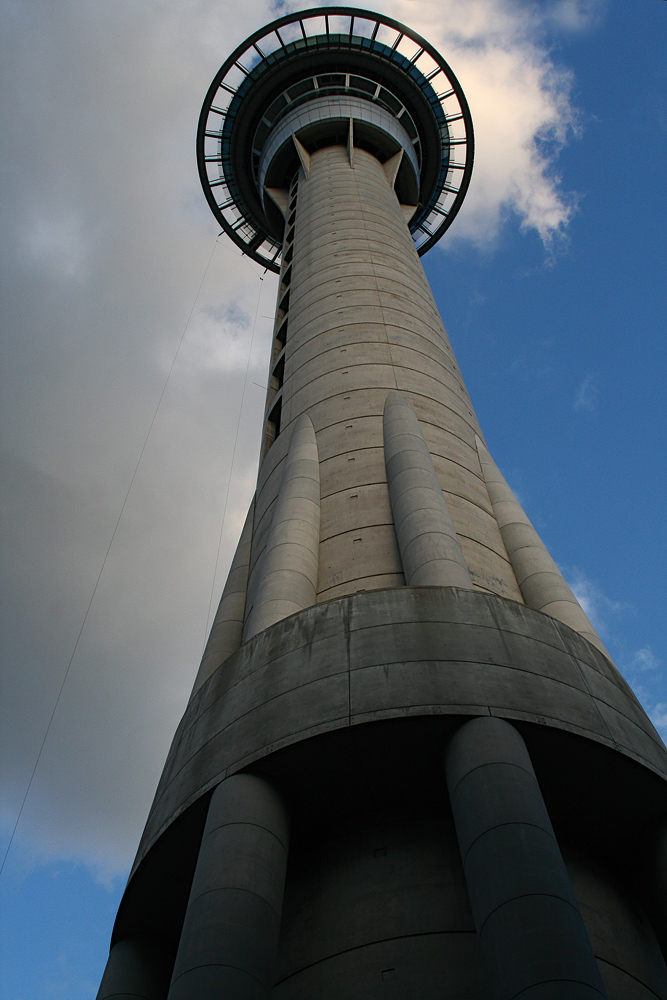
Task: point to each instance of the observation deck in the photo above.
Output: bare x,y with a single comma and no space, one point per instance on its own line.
333,76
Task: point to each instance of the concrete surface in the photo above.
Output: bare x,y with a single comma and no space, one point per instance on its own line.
285,580
230,934
531,935
430,551
139,968
397,653
362,322
227,629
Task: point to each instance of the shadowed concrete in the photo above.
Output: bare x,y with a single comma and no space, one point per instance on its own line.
381,910
620,930
139,968
531,935
230,934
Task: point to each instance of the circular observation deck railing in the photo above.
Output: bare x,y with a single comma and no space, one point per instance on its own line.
319,53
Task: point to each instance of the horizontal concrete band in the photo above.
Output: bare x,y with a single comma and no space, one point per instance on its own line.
334,108
389,654
334,360
359,432
336,447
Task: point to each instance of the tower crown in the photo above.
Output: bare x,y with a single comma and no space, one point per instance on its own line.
323,76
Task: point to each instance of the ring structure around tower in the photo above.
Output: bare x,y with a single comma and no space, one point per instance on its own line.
308,76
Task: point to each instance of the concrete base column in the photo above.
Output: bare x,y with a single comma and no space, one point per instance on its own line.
532,937
651,869
138,968
229,940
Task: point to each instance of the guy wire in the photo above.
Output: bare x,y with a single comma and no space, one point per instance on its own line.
231,468
104,562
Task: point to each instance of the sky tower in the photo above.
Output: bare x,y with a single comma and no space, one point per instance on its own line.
408,767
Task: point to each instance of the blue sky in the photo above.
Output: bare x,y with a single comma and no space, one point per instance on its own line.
551,285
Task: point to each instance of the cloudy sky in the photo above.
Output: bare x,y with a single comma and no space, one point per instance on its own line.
135,343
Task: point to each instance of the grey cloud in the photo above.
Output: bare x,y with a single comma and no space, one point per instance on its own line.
107,237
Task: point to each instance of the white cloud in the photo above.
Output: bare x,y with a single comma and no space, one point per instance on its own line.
601,610
106,238
575,16
586,397
57,243
648,696
644,659
521,109
643,670
658,716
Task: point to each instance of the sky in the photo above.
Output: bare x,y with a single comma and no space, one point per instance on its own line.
135,348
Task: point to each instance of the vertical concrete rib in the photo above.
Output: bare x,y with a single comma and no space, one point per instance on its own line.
542,584
429,547
227,630
230,933
533,941
391,167
288,572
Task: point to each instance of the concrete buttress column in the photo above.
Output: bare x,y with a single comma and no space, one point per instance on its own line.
138,968
230,933
542,584
430,550
533,941
651,866
288,572
227,630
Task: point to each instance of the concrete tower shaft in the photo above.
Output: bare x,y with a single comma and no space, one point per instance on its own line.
408,766
361,321
356,322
